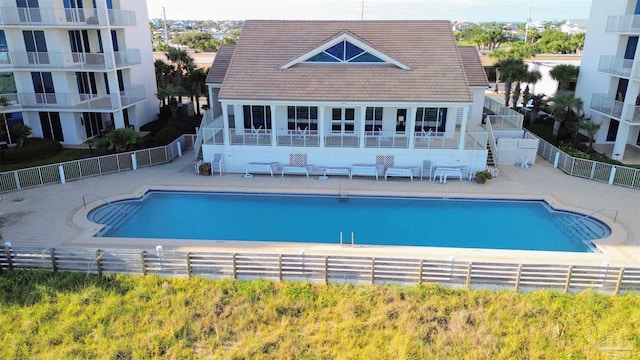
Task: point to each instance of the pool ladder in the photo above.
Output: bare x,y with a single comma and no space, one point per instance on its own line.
342,243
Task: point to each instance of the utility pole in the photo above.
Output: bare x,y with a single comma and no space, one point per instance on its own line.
166,29
362,11
526,27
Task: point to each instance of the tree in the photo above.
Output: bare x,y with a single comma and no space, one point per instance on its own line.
565,74
529,77
163,77
537,101
182,62
591,128
3,119
123,138
563,105
511,70
21,133
195,81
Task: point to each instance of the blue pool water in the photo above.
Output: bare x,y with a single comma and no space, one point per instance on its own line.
466,223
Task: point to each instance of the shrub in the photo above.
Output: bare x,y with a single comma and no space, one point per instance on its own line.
185,124
33,149
166,135
154,126
574,152
123,138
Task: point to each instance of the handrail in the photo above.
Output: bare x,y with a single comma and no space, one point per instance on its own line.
492,141
615,217
200,133
103,200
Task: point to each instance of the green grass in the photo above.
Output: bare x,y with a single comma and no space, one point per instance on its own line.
77,316
62,156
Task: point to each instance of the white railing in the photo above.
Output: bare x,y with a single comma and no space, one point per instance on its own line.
509,118
615,65
96,166
624,24
342,140
299,138
436,140
326,269
589,169
385,139
65,17
207,119
606,105
133,94
70,102
250,137
73,60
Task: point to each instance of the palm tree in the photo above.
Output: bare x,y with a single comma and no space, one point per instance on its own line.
591,128
182,63
195,81
564,74
529,77
563,105
4,130
537,101
163,76
511,70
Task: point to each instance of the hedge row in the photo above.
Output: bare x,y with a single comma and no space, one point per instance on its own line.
33,149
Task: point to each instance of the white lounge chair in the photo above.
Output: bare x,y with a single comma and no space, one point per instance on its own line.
427,169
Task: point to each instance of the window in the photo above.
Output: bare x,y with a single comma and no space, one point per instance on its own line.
73,10
343,120
302,117
257,117
28,10
86,85
431,119
92,124
79,41
36,46
43,87
344,52
51,127
373,119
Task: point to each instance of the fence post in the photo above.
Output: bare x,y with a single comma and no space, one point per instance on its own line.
518,274
144,264
99,255
54,264
568,282
235,266
619,282
373,271
556,160
612,175
468,282
280,266
15,176
189,270
179,145
61,171
420,270
326,270
7,251
134,161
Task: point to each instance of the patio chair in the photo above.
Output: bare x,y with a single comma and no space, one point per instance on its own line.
427,169
216,164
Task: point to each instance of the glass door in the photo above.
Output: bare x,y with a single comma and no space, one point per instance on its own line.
343,120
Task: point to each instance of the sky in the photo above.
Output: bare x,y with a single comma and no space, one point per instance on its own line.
453,10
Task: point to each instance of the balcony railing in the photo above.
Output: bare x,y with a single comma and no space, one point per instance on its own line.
66,17
251,137
384,139
436,140
602,103
72,60
73,102
301,137
134,94
624,24
615,65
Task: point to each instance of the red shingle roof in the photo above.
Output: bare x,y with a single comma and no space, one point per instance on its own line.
428,48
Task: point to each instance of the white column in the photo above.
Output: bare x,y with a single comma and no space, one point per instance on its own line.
363,114
463,127
321,125
274,130
410,125
621,141
225,124
628,111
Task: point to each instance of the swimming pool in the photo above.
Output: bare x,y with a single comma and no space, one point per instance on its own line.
373,220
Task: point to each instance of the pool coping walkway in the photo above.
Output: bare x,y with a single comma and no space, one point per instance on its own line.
54,215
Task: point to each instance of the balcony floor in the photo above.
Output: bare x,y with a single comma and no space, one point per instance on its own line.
631,153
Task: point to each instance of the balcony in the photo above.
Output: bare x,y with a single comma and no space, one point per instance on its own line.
71,61
602,103
615,65
74,102
63,17
627,24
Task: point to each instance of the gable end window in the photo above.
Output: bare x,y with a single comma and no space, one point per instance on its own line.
344,52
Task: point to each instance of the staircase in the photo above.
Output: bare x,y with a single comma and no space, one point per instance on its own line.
490,161
579,230
114,216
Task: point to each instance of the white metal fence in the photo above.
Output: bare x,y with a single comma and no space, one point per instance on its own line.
95,166
326,268
589,169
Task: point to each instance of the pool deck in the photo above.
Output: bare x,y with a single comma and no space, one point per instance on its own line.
54,215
